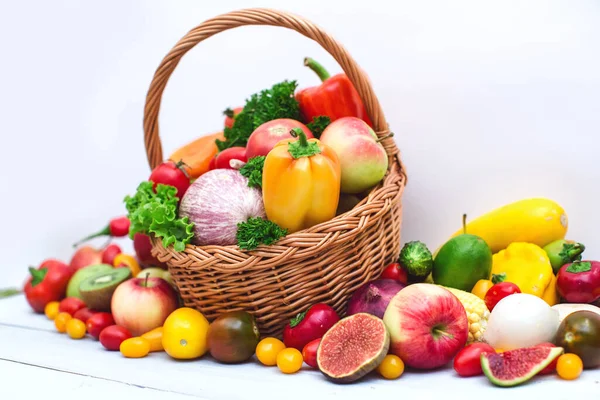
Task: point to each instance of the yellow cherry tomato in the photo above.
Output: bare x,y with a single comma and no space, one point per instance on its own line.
130,262
569,366
135,347
289,360
481,288
392,367
155,338
268,349
51,310
75,328
185,333
60,322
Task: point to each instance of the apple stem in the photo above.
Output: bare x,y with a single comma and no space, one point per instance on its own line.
146,280
389,135
464,222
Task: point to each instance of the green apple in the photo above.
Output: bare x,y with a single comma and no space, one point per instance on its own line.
84,273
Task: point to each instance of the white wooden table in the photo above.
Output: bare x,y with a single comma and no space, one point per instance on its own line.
38,362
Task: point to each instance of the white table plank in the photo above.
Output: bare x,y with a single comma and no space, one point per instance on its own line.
34,341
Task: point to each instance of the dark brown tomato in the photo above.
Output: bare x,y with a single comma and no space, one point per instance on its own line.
233,337
579,333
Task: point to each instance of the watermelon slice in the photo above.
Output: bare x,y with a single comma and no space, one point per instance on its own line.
514,367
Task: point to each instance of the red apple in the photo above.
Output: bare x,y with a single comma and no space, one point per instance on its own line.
85,256
428,325
363,159
267,135
141,305
143,251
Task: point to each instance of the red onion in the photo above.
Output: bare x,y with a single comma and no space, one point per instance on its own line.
373,297
216,202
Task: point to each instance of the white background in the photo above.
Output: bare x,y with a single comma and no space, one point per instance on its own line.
491,102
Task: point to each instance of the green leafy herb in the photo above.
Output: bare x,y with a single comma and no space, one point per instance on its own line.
156,213
257,231
318,125
267,105
253,170
302,147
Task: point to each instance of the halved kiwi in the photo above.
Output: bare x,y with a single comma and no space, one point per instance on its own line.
97,291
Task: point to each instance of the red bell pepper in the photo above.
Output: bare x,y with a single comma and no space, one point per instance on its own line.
47,283
335,98
579,282
309,325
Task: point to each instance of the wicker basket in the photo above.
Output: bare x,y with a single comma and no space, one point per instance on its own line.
325,263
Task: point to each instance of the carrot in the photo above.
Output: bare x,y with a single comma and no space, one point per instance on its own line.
197,154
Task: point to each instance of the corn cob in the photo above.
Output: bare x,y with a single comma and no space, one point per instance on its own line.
477,313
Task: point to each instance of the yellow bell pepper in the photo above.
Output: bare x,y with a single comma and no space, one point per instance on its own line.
301,182
525,264
551,295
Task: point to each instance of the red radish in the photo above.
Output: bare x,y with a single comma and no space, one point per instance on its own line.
233,153
172,174
267,135
117,227
109,253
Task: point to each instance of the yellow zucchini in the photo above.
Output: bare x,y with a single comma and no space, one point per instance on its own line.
538,221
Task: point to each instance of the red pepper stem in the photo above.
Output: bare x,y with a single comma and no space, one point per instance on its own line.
297,319
317,68
103,232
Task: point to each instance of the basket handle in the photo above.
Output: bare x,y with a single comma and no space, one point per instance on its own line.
256,16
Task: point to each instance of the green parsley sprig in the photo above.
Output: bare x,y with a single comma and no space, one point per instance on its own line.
318,125
155,213
253,170
256,231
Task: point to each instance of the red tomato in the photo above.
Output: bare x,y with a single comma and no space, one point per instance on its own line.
111,337
71,305
396,272
309,353
309,325
550,369
83,314
468,360
98,322
230,115
173,174
109,253
233,153
498,292
47,283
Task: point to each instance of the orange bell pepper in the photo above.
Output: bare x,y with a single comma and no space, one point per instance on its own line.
301,182
198,154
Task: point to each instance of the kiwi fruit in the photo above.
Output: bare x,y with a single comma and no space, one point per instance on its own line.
97,290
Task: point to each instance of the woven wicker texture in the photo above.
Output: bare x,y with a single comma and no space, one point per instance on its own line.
325,263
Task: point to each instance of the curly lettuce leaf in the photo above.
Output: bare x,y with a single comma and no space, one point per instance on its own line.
155,212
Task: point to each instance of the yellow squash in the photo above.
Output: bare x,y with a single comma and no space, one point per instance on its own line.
539,221
301,183
526,265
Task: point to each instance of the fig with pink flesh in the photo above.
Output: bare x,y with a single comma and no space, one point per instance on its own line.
353,347
373,297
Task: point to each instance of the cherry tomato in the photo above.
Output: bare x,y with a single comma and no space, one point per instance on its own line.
71,305
98,322
550,369
75,328
230,116
309,353
498,292
51,310
289,360
111,337
154,337
233,153
396,272
569,366
83,314
392,367
268,349
173,174
109,253
135,347
468,360
60,322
